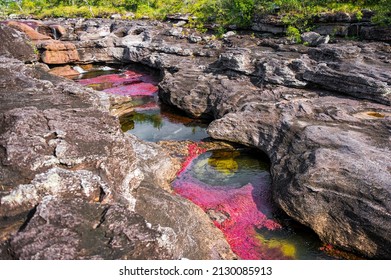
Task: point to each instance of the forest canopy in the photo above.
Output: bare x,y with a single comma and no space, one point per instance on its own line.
223,12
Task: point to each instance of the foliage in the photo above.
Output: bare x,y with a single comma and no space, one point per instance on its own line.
293,34
295,13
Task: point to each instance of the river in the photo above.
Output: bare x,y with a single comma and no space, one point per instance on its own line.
232,186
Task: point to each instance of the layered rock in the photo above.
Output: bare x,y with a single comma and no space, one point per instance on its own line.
71,181
322,115
55,52
319,142
28,30
338,24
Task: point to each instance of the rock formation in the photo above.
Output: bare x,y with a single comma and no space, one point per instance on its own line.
72,184
322,114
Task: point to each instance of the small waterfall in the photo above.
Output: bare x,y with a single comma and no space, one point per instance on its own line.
55,34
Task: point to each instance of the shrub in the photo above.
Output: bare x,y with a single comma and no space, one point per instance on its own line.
293,34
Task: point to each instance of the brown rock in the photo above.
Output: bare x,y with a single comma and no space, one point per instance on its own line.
30,32
64,71
55,52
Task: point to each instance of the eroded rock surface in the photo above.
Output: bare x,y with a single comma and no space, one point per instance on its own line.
69,179
322,114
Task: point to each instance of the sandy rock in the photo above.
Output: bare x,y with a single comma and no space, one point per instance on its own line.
56,52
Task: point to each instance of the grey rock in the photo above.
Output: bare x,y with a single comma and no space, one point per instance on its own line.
116,16
357,85
321,166
180,23
269,24
314,39
10,38
75,229
376,33
341,30
64,157
321,114
229,34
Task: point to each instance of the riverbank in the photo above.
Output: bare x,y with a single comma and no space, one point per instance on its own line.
320,113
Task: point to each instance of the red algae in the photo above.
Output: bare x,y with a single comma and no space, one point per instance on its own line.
114,79
128,83
140,89
237,211
194,150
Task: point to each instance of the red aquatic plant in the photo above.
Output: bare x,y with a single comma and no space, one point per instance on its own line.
115,79
128,83
193,151
140,89
237,210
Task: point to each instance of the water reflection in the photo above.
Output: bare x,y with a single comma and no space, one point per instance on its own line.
147,119
234,188
154,125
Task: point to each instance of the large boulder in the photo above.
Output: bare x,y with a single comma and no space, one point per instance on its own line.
76,229
329,164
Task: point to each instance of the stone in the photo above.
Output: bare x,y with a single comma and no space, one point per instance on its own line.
30,32
269,24
56,52
328,156
341,30
238,60
360,86
116,16
65,71
229,34
321,114
24,49
70,177
314,39
75,229
376,33
180,23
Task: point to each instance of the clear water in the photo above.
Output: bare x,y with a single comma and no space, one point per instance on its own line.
234,188
150,120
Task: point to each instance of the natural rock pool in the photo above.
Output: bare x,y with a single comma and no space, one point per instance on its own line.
232,186
148,119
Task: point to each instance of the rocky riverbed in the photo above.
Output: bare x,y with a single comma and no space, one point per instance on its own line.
321,114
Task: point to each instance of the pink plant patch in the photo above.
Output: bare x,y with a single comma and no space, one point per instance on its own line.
128,77
237,211
193,151
128,83
140,89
